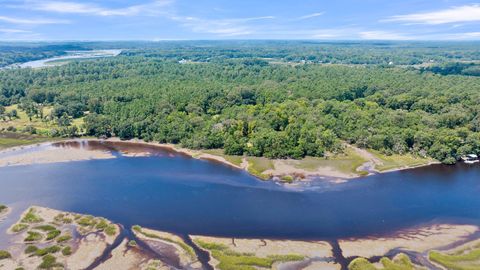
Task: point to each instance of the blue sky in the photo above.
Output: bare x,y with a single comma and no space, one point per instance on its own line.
240,19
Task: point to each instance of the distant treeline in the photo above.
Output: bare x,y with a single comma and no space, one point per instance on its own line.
251,106
467,69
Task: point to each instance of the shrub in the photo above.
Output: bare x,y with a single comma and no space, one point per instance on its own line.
31,217
33,236
48,262
111,230
45,228
53,234
86,221
67,251
19,227
5,254
47,250
102,225
64,238
132,243
31,249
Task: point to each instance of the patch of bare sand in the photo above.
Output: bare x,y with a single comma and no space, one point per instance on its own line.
323,266
189,152
8,264
418,240
52,155
127,258
287,167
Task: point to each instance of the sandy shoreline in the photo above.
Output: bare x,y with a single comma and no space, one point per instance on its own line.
27,155
281,167
419,240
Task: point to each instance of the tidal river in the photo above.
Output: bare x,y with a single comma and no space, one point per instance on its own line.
176,193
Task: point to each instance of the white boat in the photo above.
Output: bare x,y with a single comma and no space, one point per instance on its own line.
470,159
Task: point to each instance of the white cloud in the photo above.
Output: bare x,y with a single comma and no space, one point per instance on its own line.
309,16
31,21
12,31
221,27
382,35
151,8
467,13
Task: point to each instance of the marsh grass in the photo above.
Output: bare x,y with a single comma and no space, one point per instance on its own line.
396,161
48,262
400,262
64,238
33,236
67,251
48,250
5,255
30,217
53,234
45,228
230,260
19,227
467,259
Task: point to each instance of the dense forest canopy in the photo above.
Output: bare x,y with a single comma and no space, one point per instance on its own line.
272,99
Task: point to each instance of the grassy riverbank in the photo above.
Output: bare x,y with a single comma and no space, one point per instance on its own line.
10,139
350,163
40,123
395,161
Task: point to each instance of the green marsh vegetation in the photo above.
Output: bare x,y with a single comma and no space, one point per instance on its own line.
48,262
64,238
67,251
31,217
399,262
230,260
463,259
33,236
5,254
19,227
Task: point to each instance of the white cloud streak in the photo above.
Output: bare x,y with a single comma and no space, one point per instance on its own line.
467,13
309,16
13,31
152,8
15,20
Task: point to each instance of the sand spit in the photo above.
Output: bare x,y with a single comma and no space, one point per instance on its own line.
293,254
50,237
171,246
286,167
417,240
50,154
126,257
